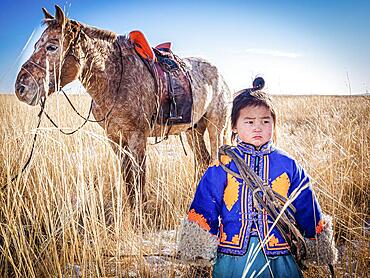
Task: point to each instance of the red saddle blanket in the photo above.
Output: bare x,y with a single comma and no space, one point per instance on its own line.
172,80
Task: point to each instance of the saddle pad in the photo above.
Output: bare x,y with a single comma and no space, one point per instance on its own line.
141,45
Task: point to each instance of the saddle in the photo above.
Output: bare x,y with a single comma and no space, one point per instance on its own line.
172,79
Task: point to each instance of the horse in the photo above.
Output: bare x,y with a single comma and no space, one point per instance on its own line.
123,91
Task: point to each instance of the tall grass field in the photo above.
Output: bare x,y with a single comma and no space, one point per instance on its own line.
67,214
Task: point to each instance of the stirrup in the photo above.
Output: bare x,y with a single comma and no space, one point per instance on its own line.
174,119
173,112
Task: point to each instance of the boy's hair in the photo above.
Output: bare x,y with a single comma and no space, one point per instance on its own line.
251,99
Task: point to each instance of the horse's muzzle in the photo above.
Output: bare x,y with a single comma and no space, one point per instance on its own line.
20,90
23,93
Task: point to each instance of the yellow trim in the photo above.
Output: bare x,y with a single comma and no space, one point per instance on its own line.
273,240
231,193
266,166
281,184
225,159
236,239
229,244
277,246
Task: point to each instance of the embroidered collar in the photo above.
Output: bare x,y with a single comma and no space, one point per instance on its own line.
252,150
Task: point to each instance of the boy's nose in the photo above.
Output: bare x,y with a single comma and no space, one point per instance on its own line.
257,127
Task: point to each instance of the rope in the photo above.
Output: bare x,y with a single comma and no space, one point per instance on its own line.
86,119
285,221
42,105
272,202
42,111
74,131
182,144
74,109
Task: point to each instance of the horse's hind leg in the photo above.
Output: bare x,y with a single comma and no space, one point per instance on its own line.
218,125
196,141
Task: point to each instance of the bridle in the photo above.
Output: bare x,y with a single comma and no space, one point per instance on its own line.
72,47
71,52
86,119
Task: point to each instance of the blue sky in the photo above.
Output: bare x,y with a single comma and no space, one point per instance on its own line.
299,47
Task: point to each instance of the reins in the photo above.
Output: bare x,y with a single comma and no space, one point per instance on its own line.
39,115
42,111
78,113
71,132
115,97
86,119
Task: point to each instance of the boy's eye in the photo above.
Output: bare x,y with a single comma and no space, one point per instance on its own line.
266,121
249,122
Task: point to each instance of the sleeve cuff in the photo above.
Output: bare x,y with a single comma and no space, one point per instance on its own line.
196,243
321,250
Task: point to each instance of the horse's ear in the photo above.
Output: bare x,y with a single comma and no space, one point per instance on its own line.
47,14
59,15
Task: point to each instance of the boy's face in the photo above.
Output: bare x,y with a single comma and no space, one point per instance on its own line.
255,125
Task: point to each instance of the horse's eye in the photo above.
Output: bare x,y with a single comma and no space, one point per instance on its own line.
51,48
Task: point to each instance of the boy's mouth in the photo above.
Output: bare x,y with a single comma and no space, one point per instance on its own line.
257,137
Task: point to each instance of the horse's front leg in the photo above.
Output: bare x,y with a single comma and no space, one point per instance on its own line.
130,151
135,168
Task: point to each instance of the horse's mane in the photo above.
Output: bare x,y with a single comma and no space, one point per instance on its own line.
96,33
90,31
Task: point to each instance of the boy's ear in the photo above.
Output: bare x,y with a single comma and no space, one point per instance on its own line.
234,130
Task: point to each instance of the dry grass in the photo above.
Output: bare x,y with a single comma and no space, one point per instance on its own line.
68,210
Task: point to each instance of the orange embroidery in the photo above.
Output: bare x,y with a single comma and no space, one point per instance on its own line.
320,226
223,237
235,239
224,159
198,218
231,193
215,162
273,241
281,185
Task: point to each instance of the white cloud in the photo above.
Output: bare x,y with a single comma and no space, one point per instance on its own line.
272,52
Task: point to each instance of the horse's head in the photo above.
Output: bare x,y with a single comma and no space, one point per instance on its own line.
55,61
